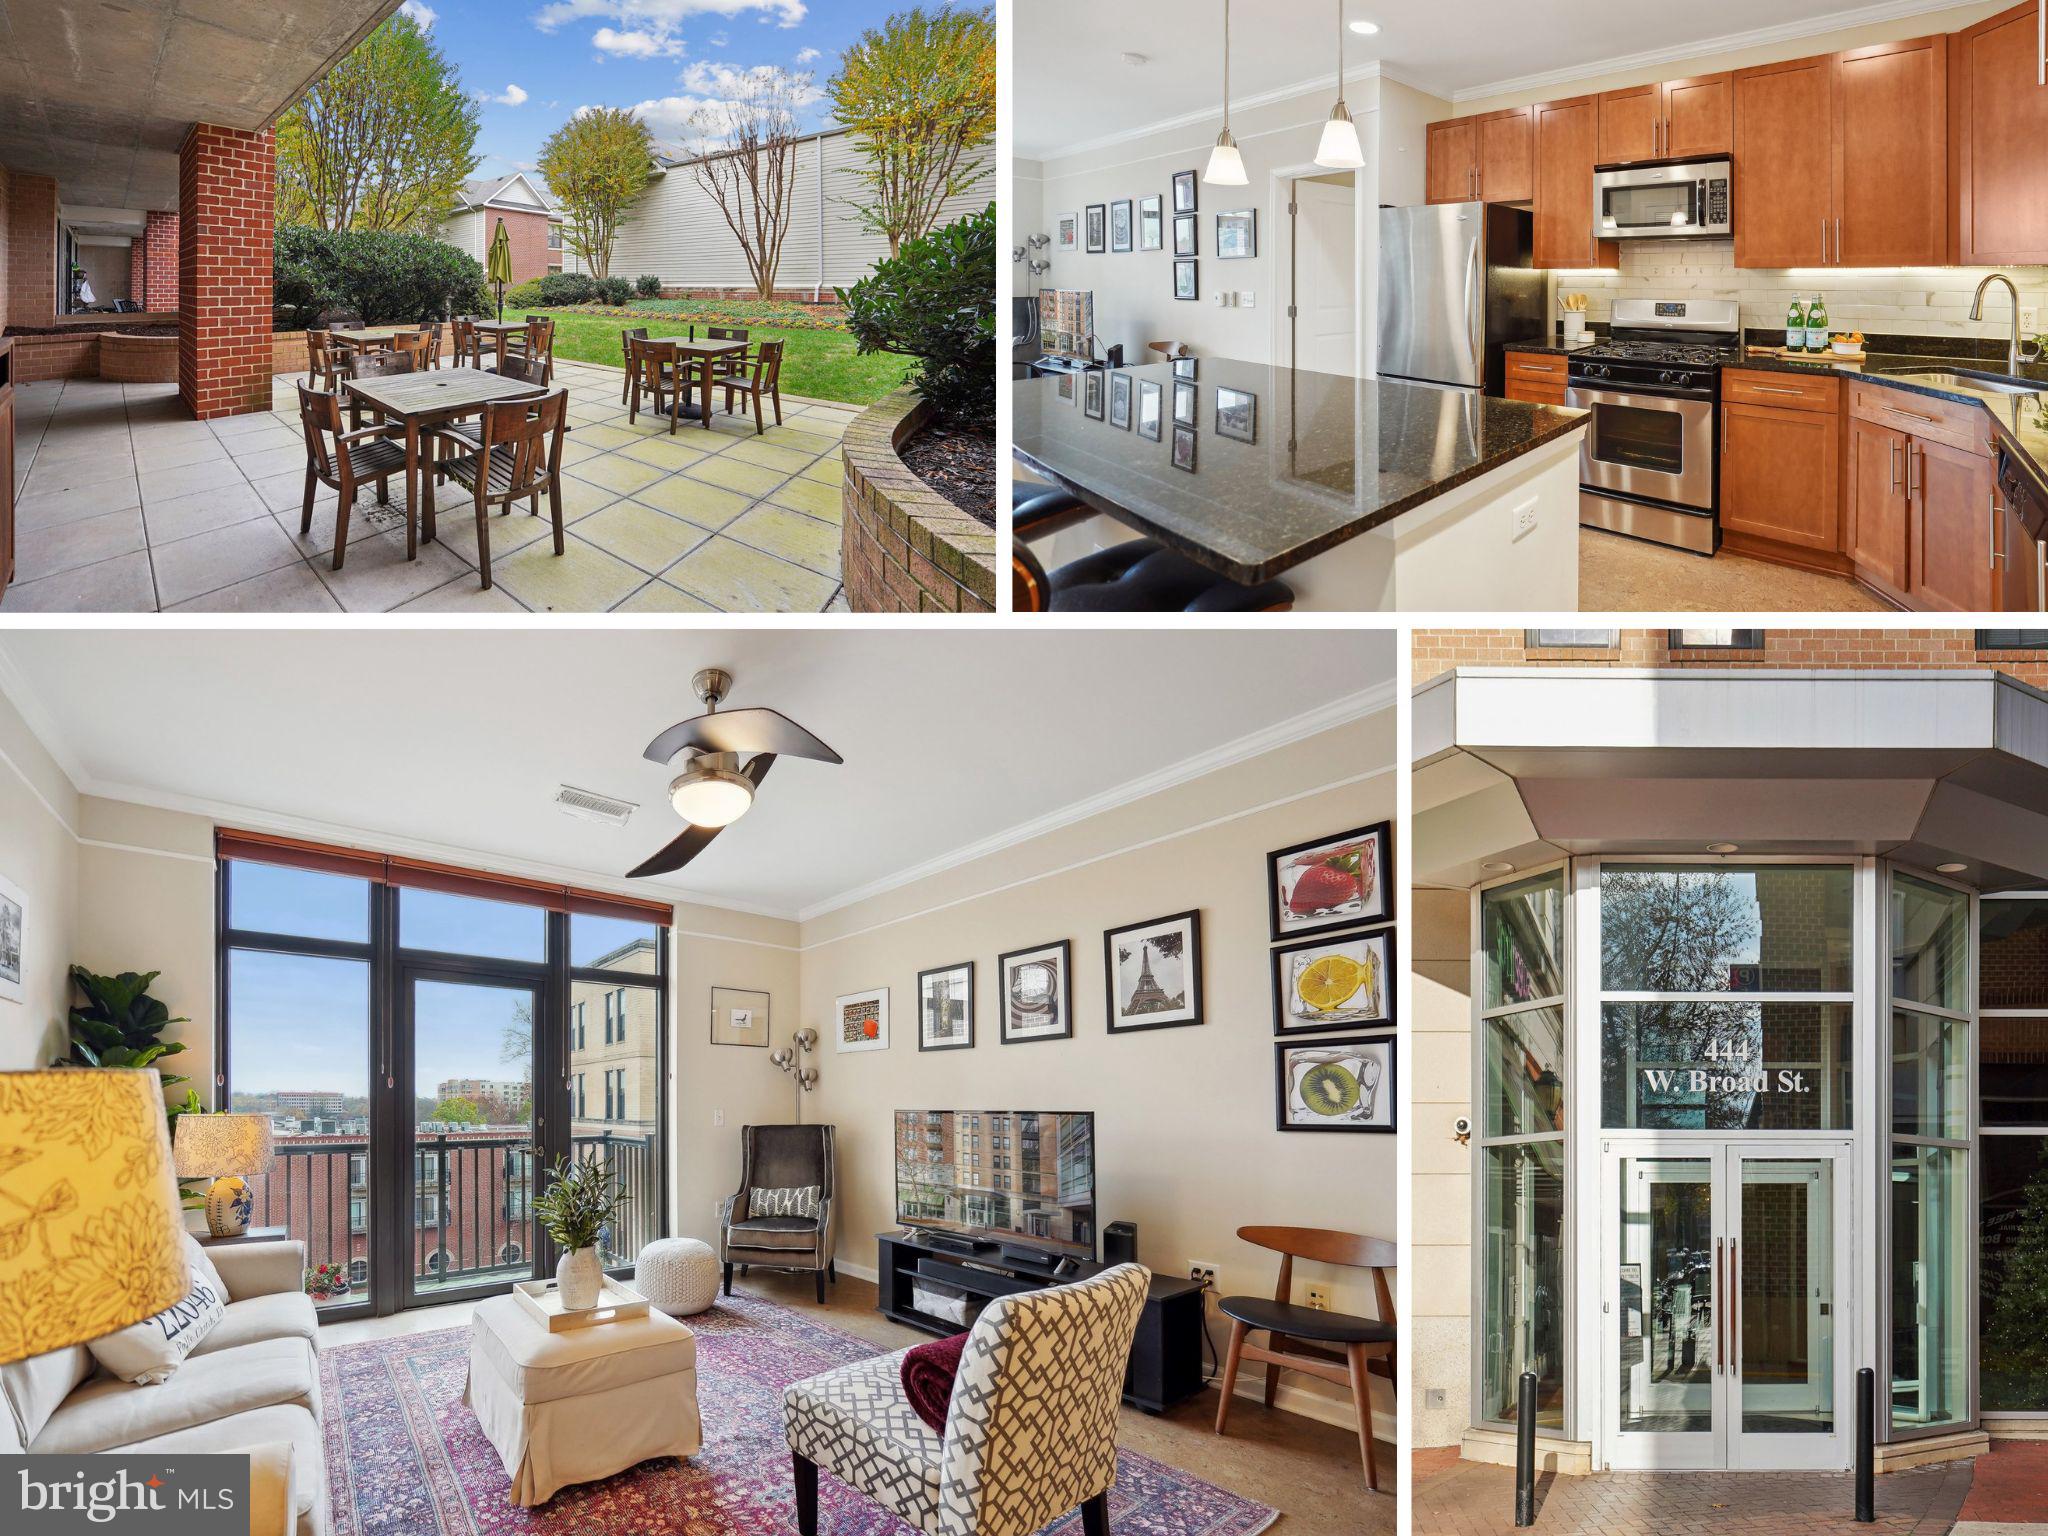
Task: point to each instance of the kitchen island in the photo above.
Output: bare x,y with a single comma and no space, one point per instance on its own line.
1362,495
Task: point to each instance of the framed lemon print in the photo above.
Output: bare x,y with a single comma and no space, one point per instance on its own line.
1330,984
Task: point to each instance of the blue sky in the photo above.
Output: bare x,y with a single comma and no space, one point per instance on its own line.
532,63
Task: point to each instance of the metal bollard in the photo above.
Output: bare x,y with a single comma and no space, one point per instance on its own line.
1525,1452
1866,1444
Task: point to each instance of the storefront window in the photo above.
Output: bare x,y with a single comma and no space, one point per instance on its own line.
2012,1107
1930,943
1930,1076
1522,1146
1930,1317
1687,928
1693,1066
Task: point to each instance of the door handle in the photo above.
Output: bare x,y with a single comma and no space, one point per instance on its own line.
1838,242
1895,449
1720,1307
1997,554
1734,1279
2041,42
1824,230
1912,486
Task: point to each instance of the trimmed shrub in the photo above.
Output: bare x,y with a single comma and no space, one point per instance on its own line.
380,277
648,286
614,291
936,302
528,295
560,288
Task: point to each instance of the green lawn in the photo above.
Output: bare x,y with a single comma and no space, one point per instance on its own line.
817,363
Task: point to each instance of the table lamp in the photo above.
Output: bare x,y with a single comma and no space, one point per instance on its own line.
230,1150
91,1237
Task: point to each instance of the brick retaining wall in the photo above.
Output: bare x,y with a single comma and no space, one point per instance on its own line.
904,548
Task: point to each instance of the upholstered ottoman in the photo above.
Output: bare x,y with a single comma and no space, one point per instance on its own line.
677,1274
572,1407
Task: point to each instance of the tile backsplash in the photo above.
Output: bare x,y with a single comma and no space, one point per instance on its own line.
1901,301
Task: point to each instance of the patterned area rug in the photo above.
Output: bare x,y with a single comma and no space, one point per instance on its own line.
405,1457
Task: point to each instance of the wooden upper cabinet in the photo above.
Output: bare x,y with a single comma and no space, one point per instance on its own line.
1507,155
1631,125
1784,164
1699,117
1453,161
1998,123
1567,149
1890,149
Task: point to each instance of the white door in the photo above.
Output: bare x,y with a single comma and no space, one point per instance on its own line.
1325,278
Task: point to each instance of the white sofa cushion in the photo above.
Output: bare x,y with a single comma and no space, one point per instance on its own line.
281,1315
106,1412
149,1351
262,1426
35,1386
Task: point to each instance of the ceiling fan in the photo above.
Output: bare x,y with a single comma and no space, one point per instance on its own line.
714,790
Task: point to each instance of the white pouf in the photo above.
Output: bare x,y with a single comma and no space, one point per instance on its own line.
679,1275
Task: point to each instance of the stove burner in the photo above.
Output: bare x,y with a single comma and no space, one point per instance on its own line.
1658,352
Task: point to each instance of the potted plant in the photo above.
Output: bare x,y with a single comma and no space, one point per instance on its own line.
326,1280
582,1202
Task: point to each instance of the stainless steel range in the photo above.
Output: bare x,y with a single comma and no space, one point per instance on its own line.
1649,467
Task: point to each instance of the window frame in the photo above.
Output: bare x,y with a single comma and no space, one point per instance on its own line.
1739,640
1983,640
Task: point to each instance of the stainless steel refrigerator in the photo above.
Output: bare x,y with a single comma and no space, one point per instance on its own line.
1456,289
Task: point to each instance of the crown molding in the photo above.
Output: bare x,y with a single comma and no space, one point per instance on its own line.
1340,711
29,705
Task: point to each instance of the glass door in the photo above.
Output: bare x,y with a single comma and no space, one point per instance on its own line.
1788,1254
1667,1348
467,1095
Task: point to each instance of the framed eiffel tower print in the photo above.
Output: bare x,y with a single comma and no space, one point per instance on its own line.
1153,971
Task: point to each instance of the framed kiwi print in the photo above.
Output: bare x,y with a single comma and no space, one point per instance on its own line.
1334,882
1336,1085
1341,983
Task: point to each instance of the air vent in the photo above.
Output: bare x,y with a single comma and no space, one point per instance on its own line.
585,805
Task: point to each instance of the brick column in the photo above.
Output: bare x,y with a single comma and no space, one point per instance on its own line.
31,250
136,269
226,214
158,246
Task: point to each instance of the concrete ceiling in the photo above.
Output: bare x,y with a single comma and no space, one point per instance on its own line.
100,93
1073,87
459,738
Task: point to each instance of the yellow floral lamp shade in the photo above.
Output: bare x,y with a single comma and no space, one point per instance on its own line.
226,1148
91,1238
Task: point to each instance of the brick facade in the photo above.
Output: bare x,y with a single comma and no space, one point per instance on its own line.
904,548
31,275
156,256
226,219
528,235
1439,651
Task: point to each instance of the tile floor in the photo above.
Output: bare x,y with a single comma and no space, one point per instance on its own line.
124,505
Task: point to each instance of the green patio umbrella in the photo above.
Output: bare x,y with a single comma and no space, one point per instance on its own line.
498,265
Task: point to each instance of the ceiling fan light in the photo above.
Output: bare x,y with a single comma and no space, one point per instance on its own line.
1339,150
711,797
1226,165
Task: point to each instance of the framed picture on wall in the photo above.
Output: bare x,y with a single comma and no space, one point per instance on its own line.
1343,983
1333,882
1120,400
945,1008
1186,367
1036,992
738,1017
1091,393
1184,285
1237,414
1066,232
1120,225
1185,395
13,917
863,1021
1186,235
1183,191
1151,222
1151,404
1153,973
1184,449
1237,234
1097,215
1340,1085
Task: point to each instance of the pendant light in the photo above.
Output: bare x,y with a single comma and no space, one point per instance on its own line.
1339,149
1226,165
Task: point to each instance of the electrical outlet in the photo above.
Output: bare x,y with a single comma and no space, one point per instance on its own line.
1202,1272
1249,300
1319,1298
718,1117
1525,521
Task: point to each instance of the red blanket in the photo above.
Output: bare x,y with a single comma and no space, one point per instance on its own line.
928,1373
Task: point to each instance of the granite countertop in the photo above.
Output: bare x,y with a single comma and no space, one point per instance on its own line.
1331,457
1554,345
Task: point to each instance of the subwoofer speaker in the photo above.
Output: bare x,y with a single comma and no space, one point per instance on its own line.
1120,1243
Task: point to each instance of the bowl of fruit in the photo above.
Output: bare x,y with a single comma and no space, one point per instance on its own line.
1850,345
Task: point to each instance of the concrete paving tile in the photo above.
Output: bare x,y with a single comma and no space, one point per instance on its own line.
778,531
640,535
602,437
318,545
120,585
287,493
176,453
48,474
465,594
665,452
288,589
456,532
169,484
201,512
732,577
209,561
621,476
705,505
660,597
51,508
583,579
87,541
812,496
225,427
828,470
376,577
784,460
749,479
280,459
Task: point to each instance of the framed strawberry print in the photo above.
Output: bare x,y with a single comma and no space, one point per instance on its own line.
1334,882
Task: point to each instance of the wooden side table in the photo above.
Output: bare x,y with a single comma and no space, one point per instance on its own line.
253,1235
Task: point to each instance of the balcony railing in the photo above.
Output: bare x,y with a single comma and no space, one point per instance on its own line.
472,1222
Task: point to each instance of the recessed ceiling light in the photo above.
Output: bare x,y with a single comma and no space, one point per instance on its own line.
1498,867
1950,869
1721,847
1365,28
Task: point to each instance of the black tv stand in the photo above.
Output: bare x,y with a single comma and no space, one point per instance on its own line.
950,1243
1166,1356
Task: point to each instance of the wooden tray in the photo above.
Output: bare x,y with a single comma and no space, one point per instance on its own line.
543,1300
1829,356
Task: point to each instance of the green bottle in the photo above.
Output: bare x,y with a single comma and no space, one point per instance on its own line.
1817,325
1795,327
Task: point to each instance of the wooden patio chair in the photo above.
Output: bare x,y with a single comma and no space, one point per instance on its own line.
765,379
464,344
661,370
626,340
370,365
1355,1344
540,344
322,369
732,363
414,345
520,457
468,436
371,454
432,331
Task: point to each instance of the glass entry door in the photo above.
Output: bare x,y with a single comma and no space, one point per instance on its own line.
1724,1339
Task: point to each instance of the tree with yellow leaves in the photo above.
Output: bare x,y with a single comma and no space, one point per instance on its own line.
919,94
597,164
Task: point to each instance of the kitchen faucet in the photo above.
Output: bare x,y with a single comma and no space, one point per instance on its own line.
2017,353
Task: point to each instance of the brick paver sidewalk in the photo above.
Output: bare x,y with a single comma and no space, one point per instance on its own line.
2009,1496
1463,1498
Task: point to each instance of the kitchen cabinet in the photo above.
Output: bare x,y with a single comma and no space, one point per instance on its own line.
1781,476
1489,158
1890,182
1877,505
1784,163
1672,120
1954,518
1567,149
1998,121
1538,377
1631,125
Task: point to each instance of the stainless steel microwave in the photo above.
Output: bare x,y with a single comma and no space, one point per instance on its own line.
1642,202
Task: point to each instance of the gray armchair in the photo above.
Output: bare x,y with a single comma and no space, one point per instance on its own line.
792,1223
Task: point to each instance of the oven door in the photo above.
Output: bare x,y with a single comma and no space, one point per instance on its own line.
1647,446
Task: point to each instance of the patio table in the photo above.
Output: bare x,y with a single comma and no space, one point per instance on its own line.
423,400
498,330
371,338
702,354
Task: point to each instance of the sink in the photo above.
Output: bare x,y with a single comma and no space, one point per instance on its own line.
1949,378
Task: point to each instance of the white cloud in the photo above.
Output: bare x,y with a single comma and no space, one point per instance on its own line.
808,55
654,28
719,40
511,96
636,44
724,82
423,16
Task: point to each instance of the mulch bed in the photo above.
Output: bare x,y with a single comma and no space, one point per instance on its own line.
960,464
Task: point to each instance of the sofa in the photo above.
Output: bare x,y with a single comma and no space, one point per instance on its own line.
252,1385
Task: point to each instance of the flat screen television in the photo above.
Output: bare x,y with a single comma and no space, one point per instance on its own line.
1021,1180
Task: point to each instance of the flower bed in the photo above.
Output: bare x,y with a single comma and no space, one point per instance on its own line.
780,313
904,548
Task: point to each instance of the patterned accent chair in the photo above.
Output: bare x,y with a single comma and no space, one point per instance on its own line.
777,1231
1030,1431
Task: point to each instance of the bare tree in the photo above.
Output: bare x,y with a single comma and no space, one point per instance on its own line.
746,161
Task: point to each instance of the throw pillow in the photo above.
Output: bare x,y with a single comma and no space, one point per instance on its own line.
149,1351
801,1201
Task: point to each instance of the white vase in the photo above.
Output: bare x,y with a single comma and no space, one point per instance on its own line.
580,1278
